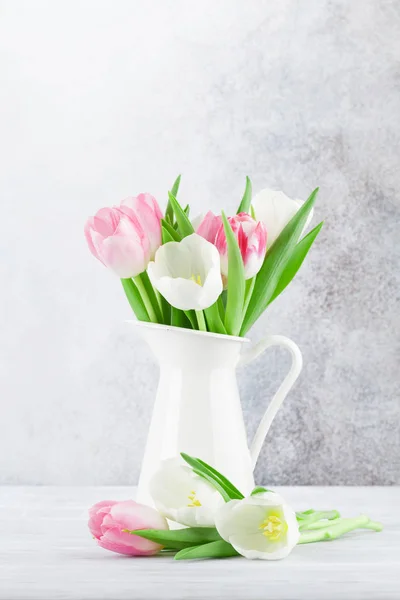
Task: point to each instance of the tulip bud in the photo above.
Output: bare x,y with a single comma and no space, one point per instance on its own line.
126,238
252,239
109,520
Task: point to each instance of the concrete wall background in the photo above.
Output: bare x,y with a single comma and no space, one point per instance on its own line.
104,99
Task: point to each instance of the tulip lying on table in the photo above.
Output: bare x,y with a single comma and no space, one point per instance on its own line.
221,521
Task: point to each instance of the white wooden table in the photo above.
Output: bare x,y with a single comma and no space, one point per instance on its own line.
46,552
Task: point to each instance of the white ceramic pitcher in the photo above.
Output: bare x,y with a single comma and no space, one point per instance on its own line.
197,408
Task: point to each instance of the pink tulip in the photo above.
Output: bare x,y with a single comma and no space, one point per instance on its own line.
108,519
149,214
252,239
209,227
125,238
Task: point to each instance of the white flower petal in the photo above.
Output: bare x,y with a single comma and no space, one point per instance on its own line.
182,496
177,267
275,210
242,523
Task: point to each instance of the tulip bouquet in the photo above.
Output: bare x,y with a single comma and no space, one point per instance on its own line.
218,520
212,273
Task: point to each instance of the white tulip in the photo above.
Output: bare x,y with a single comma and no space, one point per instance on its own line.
187,273
182,496
275,210
260,526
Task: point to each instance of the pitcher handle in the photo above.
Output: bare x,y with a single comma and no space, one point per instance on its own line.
283,390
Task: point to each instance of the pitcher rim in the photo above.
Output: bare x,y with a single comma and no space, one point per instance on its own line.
187,331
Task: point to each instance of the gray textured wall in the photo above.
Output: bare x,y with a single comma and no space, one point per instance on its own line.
109,98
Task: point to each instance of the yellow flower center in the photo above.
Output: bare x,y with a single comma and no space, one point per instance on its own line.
273,527
193,500
196,279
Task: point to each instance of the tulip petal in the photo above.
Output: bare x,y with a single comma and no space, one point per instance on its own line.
243,523
126,543
149,215
124,255
209,226
109,521
177,268
275,210
133,515
96,516
182,496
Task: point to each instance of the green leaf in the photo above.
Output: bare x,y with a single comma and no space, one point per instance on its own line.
179,538
166,236
169,213
259,490
186,210
184,225
165,308
214,321
236,282
191,315
249,287
151,296
220,549
304,514
295,261
244,206
225,487
135,300
222,304
275,262
172,232
179,319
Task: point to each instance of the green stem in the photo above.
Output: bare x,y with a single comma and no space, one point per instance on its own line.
334,530
165,307
300,514
152,295
135,300
146,300
320,524
200,320
317,516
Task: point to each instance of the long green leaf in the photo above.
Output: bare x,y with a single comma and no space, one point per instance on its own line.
219,481
179,319
198,469
152,295
171,230
296,260
191,315
236,282
135,300
166,236
275,262
184,224
244,206
220,549
235,493
179,538
214,321
165,308
169,212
